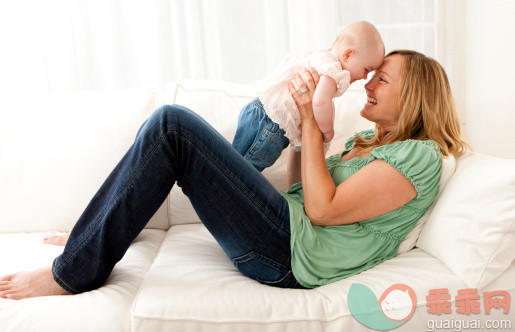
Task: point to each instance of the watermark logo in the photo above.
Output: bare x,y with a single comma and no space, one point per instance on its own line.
467,302
398,302
394,308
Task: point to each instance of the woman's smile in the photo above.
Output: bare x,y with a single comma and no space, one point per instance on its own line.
371,101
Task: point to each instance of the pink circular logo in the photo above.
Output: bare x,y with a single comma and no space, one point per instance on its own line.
398,302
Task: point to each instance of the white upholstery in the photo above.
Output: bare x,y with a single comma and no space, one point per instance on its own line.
472,227
103,309
55,153
192,286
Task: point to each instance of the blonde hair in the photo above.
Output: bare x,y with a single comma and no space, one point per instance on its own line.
428,109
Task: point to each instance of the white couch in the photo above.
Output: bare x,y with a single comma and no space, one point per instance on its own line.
56,151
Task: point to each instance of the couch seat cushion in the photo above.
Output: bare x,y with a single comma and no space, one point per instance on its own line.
193,286
103,309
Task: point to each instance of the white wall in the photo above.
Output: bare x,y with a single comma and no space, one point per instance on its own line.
485,62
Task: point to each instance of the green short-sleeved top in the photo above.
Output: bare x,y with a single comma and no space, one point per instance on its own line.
324,254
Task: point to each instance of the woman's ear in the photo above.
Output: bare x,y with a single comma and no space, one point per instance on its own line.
346,54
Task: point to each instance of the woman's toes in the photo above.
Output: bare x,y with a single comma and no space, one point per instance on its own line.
4,285
8,277
58,240
11,297
50,240
35,283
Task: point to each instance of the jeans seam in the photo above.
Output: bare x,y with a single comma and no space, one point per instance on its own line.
262,140
243,258
227,176
127,184
252,255
272,283
54,273
256,146
255,255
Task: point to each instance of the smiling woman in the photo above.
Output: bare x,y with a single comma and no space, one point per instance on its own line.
383,104
410,98
370,197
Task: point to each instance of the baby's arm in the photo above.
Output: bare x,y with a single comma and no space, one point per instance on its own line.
323,106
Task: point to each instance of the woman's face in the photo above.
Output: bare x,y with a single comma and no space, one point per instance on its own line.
383,106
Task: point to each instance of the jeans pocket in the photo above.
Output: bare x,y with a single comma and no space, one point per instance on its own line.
269,145
262,269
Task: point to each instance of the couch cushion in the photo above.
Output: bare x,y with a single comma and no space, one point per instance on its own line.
193,286
55,152
103,309
472,226
220,103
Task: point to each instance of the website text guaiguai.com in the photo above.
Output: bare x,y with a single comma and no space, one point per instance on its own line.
468,324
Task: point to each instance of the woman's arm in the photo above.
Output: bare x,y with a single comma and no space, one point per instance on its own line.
323,106
317,184
372,191
293,173
293,168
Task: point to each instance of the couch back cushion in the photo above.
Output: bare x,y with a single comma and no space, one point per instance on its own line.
472,226
55,152
220,103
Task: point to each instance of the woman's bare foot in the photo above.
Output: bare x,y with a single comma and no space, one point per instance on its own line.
58,240
27,284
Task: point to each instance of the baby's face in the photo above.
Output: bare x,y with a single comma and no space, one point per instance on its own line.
359,65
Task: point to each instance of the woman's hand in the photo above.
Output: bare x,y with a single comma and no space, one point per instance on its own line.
306,81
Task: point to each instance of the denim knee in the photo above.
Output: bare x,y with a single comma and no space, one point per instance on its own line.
165,117
170,115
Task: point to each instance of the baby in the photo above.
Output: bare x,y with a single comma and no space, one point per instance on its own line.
272,121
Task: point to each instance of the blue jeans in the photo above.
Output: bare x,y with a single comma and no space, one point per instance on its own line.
244,212
258,139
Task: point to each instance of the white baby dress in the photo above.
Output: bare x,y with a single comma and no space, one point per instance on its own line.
279,104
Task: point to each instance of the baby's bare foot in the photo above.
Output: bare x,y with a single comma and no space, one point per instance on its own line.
27,284
58,240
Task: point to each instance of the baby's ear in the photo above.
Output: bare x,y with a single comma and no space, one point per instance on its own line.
347,53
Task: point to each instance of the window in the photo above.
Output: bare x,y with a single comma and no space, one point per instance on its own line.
75,45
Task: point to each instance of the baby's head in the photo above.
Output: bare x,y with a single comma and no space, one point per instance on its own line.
360,49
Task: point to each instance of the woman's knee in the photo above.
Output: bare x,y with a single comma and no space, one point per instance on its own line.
172,114
167,117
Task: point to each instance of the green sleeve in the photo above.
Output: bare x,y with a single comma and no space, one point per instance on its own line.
419,161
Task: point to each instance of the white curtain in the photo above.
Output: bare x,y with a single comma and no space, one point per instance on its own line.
57,46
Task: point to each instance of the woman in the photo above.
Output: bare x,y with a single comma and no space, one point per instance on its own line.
367,198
